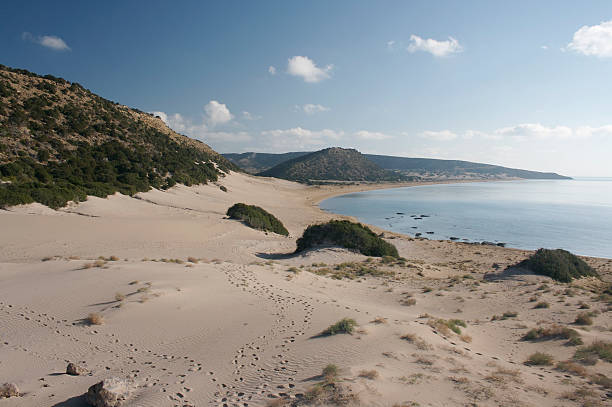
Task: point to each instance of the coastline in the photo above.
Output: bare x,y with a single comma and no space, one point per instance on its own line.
196,304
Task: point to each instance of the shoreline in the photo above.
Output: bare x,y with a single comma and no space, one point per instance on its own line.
335,191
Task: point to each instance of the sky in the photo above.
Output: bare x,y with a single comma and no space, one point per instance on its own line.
523,84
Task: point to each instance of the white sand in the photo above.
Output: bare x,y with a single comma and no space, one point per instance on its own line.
238,327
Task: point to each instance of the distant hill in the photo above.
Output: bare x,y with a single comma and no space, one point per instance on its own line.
258,162
455,168
423,168
338,164
59,142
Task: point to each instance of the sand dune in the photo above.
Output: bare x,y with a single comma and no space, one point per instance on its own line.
201,310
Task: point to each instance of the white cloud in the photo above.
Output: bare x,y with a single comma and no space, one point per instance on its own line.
595,40
272,70
372,135
311,109
544,46
49,41
529,130
305,68
390,44
523,131
201,131
443,135
250,116
217,113
298,137
434,47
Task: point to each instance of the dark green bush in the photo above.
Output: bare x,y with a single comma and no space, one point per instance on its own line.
257,218
344,326
558,264
346,234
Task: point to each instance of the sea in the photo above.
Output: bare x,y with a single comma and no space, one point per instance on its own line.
574,215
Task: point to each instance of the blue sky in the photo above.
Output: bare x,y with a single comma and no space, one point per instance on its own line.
523,84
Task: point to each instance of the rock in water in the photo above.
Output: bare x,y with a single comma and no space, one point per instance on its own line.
75,370
9,390
109,392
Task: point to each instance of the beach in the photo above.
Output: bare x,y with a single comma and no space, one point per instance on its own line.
198,309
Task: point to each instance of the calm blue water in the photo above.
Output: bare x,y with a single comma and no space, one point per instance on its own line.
575,215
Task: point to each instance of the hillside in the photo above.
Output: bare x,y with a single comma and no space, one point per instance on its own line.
258,162
337,164
59,142
423,168
454,168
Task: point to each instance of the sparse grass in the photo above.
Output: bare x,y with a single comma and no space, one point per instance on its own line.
94,319
583,395
572,368
584,318
369,374
602,380
408,302
379,320
113,258
133,282
416,341
539,359
330,373
542,304
445,326
344,326
192,260
465,338
502,376
293,270
504,316
119,297
597,350
351,270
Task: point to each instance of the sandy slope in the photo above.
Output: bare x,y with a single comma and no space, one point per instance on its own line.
239,326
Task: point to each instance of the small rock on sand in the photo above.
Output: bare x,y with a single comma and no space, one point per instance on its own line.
9,390
75,370
109,392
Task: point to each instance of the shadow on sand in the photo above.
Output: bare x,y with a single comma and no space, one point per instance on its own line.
77,401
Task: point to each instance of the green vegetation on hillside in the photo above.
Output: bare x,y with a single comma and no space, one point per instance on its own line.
337,164
257,218
59,142
346,234
558,264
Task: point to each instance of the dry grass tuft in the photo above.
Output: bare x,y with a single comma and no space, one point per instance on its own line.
572,368
369,374
94,319
539,359
119,297
379,320
192,260
416,341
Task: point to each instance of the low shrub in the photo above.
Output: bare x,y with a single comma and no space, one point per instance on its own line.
553,332
542,304
584,318
539,359
344,326
94,319
330,373
597,350
346,234
558,264
257,218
